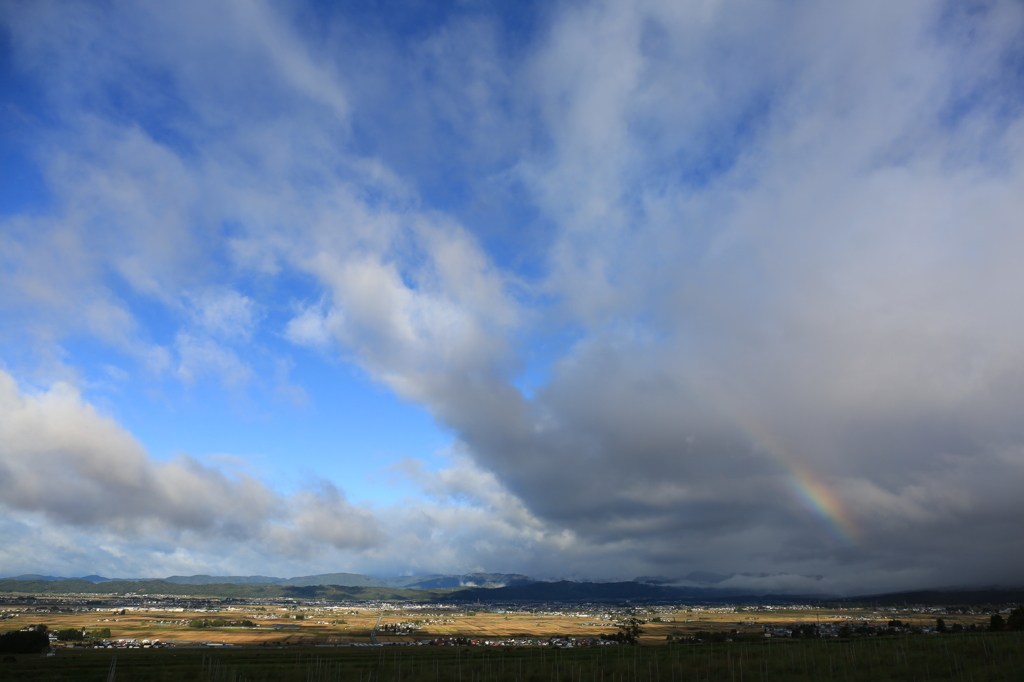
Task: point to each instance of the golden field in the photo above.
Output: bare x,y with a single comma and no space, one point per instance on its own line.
274,625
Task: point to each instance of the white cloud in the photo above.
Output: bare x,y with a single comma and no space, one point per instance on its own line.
63,459
310,328
85,496
199,356
324,515
775,236
437,309
225,313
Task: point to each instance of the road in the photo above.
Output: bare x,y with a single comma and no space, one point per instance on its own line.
373,630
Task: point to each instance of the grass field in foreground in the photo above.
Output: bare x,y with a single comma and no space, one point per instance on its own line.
975,657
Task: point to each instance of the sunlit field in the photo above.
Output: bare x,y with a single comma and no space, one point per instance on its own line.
307,625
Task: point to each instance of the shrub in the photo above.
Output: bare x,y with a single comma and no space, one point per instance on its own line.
18,642
1016,619
70,635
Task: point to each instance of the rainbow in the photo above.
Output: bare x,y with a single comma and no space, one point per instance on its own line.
809,489
823,502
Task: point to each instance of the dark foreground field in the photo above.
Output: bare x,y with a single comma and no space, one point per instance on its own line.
973,658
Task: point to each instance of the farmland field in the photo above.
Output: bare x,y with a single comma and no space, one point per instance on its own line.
299,641
303,624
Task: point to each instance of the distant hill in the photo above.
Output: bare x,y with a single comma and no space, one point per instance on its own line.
424,582
343,579
484,587
655,580
650,591
222,579
707,577
702,578
224,590
333,586
36,576
480,580
565,590
957,597
96,578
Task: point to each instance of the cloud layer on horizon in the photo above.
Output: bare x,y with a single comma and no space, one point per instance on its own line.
723,286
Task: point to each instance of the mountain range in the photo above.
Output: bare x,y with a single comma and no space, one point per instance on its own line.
415,582
485,587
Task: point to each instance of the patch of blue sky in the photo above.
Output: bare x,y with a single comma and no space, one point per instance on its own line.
533,378
407,21
150,102
714,150
23,186
345,428
434,112
516,236
350,430
427,146
1000,92
1001,98
539,355
294,413
484,195
357,429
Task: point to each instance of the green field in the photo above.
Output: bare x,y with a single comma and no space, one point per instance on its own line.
975,657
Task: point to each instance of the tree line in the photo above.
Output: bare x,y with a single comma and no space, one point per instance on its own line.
220,623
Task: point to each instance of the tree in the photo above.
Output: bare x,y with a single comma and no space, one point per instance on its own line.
630,630
20,642
996,623
805,630
1016,619
940,625
70,635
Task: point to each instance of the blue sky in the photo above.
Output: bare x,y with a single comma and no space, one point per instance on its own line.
577,289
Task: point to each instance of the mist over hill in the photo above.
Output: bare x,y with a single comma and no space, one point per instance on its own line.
412,582
695,587
424,582
36,576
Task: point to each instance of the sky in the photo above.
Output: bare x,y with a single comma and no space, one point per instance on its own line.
584,290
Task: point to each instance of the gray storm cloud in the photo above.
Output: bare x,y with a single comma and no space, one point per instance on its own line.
832,290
